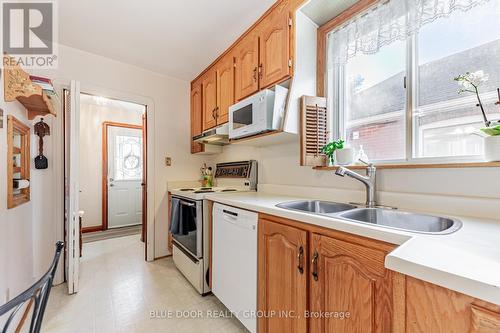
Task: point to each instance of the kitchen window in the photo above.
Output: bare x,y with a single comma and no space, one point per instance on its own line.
395,96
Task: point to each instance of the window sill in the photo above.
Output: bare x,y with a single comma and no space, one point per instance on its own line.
417,166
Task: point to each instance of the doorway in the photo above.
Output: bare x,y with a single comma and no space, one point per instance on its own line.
78,217
112,168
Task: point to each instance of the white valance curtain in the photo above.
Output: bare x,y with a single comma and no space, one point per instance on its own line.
386,22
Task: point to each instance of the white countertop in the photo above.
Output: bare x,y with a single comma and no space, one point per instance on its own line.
467,261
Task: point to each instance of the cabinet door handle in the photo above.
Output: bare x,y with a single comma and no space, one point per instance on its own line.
261,71
315,266
300,260
213,113
255,74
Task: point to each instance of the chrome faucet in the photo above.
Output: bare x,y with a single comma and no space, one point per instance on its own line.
368,180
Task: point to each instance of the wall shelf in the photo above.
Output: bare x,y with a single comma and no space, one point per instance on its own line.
417,166
18,86
18,166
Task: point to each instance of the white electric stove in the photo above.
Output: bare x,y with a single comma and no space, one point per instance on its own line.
198,193
190,211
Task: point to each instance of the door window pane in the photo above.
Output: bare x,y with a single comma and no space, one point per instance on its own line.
444,121
374,102
128,158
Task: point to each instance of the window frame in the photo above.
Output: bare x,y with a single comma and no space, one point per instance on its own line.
324,77
339,131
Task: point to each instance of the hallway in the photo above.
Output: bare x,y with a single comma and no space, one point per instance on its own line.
118,290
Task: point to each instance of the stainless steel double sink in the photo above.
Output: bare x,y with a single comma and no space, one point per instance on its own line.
389,218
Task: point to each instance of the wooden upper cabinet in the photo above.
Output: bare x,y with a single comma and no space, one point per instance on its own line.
259,59
350,277
209,98
196,115
274,42
247,66
225,87
282,277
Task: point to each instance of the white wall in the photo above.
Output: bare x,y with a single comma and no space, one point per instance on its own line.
476,188
92,117
16,224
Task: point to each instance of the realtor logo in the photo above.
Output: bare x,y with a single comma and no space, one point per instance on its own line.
29,33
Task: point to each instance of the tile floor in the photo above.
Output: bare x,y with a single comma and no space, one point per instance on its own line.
118,290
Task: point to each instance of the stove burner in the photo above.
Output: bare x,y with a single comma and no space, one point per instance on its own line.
228,190
204,188
204,191
186,189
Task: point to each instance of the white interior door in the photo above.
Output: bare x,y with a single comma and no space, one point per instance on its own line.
72,116
125,163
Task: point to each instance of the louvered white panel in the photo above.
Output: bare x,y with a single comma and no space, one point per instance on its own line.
314,130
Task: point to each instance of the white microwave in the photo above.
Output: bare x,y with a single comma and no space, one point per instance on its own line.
253,115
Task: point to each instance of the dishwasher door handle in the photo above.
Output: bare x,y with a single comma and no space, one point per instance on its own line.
225,211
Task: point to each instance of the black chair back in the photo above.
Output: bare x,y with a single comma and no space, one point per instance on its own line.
37,294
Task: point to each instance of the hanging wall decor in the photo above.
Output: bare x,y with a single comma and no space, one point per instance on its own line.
41,129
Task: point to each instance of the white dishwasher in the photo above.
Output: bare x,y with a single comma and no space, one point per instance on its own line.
234,262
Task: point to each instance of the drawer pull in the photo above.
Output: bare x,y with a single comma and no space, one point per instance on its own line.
315,266
300,259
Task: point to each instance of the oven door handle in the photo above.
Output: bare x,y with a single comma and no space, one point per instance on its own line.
189,204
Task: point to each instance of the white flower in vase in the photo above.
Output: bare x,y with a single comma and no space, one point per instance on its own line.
469,82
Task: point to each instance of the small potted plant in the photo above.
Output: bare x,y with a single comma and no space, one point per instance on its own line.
470,82
344,155
336,148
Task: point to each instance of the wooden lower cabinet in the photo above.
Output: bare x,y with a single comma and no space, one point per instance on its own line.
282,278
351,290
434,309
339,284
331,284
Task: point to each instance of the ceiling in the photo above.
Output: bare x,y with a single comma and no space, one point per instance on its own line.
322,11
179,38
